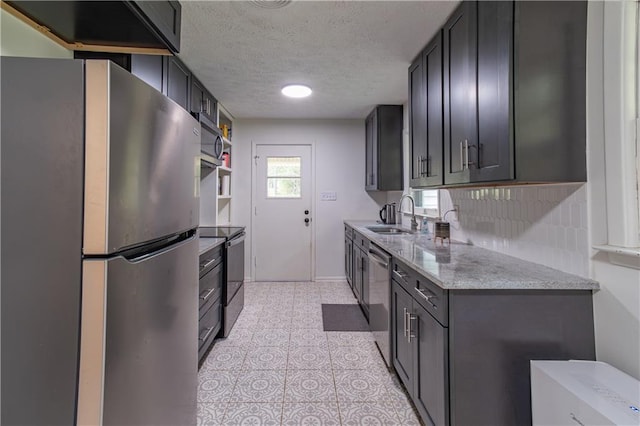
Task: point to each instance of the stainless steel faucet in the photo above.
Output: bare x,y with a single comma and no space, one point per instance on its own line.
414,223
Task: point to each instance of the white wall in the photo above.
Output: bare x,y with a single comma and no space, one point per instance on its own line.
19,39
339,149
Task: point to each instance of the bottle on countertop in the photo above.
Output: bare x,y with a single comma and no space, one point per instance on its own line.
424,227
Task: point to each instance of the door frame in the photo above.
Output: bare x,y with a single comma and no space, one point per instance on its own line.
254,193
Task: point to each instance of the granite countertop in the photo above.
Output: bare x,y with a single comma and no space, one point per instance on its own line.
460,266
206,243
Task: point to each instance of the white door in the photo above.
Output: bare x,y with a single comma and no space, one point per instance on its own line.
282,220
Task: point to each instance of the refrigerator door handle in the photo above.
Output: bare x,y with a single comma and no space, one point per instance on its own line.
160,248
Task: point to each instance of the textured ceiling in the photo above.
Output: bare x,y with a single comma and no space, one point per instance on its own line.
353,54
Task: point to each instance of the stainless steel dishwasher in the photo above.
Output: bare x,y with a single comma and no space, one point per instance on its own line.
379,299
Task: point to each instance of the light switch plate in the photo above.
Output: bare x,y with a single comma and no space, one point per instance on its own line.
328,196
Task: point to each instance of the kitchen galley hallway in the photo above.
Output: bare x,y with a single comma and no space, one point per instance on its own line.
278,366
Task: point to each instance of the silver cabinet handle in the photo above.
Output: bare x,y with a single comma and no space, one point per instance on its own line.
466,153
405,322
410,334
209,263
206,335
426,296
208,295
400,275
461,156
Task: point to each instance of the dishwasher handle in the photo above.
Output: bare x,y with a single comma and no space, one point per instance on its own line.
377,259
235,241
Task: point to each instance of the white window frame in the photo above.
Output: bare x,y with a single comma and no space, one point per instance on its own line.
621,124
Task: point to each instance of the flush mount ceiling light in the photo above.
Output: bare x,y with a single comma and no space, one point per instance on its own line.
270,4
296,91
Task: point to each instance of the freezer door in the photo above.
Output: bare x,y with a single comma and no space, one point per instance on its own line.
138,357
142,162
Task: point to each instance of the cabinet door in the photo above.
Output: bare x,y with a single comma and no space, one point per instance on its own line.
357,274
417,120
211,110
460,96
493,158
402,348
165,17
178,84
432,60
431,394
348,248
149,68
365,282
369,148
197,99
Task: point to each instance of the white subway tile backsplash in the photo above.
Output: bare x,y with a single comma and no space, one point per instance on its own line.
543,224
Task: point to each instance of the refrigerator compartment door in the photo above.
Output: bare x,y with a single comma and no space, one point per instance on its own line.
138,362
142,162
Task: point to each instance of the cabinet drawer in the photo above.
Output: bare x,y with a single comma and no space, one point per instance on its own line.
208,327
428,294
211,285
348,232
210,259
361,241
403,275
431,297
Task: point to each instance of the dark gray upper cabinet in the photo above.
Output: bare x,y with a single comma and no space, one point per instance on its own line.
202,101
426,115
118,24
550,91
164,19
178,82
460,96
514,94
383,135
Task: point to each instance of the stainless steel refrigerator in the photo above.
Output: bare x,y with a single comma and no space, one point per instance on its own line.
100,205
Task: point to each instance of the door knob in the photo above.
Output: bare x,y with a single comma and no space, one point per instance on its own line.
306,212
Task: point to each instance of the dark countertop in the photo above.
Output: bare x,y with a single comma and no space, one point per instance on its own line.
459,266
207,243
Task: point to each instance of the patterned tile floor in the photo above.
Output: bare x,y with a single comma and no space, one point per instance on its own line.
278,367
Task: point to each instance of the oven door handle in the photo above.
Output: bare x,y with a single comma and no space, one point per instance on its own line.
236,241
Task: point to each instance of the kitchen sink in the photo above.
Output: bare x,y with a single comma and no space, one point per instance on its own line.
386,230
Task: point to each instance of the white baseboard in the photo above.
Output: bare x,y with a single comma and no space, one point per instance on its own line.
340,278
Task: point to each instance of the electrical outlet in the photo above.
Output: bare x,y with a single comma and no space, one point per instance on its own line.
328,196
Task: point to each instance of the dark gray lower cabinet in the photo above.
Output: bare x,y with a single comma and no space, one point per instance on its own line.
463,355
361,271
348,254
402,351
420,356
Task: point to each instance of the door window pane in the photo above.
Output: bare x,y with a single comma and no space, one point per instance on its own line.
283,177
283,166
